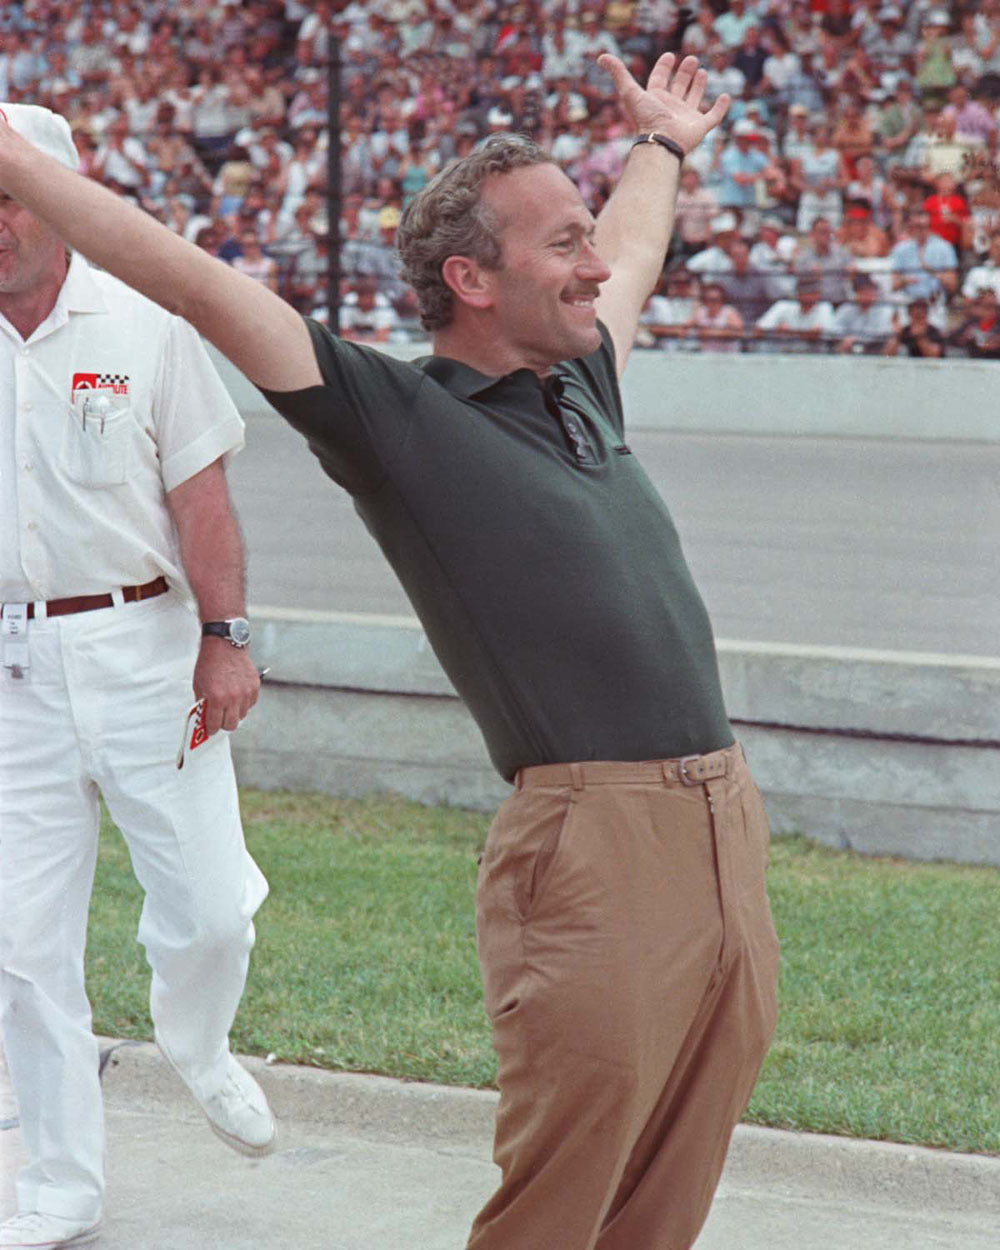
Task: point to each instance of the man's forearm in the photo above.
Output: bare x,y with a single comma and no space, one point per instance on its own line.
634,228
227,307
210,543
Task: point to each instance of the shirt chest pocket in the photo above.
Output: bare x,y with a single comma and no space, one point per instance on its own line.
98,441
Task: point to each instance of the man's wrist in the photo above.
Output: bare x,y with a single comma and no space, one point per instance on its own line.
235,630
663,141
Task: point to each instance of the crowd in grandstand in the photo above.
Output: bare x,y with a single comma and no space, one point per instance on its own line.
850,202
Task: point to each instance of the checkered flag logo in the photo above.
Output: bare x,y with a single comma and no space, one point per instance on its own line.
116,382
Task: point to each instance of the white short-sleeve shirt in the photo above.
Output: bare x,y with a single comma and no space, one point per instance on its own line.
110,404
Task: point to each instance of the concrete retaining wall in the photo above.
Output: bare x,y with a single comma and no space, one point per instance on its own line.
885,752
866,397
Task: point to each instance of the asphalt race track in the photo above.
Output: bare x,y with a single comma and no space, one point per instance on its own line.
822,541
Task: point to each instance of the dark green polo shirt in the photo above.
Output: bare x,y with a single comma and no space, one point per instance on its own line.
541,561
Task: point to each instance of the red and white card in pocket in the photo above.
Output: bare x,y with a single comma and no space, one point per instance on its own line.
194,731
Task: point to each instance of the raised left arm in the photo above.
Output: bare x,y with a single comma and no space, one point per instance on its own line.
212,555
634,228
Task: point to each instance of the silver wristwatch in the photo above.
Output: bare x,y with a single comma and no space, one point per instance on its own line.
235,631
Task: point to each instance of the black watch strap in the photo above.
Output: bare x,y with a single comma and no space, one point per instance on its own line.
235,631
672,146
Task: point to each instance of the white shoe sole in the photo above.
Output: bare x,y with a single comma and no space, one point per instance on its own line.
86,1238
243,1147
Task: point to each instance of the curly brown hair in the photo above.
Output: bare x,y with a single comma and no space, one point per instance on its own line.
448,218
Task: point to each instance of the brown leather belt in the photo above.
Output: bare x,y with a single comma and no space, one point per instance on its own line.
90,603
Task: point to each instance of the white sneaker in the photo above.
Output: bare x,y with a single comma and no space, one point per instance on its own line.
35,1231
238,1111
239,1114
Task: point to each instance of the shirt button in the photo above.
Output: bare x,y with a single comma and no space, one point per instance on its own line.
32,525
28,466
27,406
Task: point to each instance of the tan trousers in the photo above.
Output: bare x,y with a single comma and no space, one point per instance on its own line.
630,967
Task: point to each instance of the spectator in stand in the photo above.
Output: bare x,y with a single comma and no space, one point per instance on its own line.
715,325
965,53
898,121
818,178
918,337
866,323
742,167
733,23
821,257
602,162
949,213
772,253
751,56
868,186
797,140
974,123
560,56
309,104
890,51
984,205
714,260
781,66
923,264
366,316
307,274
210,128
306,168
120,161
723,76
589,41
696,209
936,149
797,325
699,36
859,236
666,316
935,75
251,259
232,182
750,291
979,334
570,144
836,25
853,134
985,275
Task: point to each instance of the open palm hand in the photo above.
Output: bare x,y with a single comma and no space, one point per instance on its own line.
670,104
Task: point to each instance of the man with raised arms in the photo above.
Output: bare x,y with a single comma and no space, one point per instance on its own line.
628,955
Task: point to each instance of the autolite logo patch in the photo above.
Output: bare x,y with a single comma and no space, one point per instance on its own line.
116,383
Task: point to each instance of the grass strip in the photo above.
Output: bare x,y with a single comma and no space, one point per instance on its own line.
365,961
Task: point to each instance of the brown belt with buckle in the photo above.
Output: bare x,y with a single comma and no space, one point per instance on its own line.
90,603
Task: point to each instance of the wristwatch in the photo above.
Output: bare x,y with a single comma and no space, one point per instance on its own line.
235,631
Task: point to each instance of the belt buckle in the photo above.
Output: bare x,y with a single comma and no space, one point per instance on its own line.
686,777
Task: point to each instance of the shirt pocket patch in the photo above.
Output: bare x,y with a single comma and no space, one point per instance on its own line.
98,440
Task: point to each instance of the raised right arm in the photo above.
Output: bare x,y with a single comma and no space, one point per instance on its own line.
261,334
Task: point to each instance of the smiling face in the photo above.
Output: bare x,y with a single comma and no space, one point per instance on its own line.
542,296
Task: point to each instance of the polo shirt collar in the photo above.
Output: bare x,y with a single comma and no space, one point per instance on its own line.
460,380
464,382
80,292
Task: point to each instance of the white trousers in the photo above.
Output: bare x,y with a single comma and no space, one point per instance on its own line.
103,710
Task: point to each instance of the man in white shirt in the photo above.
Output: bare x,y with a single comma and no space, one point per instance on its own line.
798,325
986,275
865,323
114,518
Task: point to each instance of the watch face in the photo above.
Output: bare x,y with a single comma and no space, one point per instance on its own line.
239,631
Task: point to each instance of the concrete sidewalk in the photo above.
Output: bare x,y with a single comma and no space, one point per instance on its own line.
367,1163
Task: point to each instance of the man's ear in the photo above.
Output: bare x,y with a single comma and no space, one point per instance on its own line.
469,281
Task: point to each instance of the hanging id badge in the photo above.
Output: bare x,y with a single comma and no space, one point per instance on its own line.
14,642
